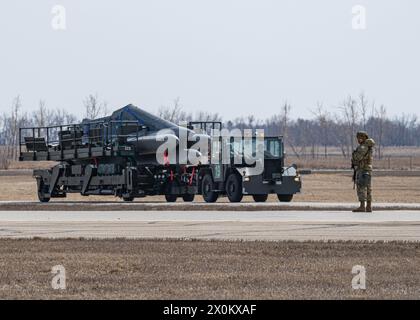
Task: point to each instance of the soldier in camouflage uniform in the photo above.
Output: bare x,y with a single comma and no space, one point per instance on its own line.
362,163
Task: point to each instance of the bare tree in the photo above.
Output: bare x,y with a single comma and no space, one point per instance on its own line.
41,114
4,148
172,113
285,118
349,111
372,128
341,135
176,115
363,103
321,115
206,116
14,130
251,121
285,111
176,110
381,115
94,108
61,116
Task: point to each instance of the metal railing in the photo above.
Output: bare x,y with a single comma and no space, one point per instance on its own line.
205,127
105,134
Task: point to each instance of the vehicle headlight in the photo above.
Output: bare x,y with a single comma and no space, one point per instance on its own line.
297,178
247,178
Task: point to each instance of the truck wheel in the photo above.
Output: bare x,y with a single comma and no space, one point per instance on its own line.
188,197
41,192
260,197
234,188
285,197
171,197
206,189
170,194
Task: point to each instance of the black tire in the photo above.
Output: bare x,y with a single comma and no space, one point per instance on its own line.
260,197
285,197
41,192
188,197
171,197
128,199
206,189
42,198
234,188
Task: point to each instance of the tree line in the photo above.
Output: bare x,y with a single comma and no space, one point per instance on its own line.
311,136
324,129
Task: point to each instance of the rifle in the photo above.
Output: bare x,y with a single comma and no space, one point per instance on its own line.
354,175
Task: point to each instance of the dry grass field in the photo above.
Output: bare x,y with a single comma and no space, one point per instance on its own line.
393,158
338,162
163,269
335,187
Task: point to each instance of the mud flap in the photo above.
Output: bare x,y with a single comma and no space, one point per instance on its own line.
56,174
131,179
90,171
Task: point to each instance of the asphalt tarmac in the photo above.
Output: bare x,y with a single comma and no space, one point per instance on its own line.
403,225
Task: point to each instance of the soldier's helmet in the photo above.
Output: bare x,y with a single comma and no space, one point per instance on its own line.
362,134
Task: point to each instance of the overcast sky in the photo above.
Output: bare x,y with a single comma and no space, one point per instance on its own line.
233,57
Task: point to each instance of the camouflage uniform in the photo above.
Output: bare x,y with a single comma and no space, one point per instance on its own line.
362,162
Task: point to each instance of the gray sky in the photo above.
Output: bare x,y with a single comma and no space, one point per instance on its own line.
233,57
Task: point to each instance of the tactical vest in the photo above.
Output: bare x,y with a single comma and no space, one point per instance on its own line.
365,163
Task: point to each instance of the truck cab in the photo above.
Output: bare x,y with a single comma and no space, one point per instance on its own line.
276,178
267,175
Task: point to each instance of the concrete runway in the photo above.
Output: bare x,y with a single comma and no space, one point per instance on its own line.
229,225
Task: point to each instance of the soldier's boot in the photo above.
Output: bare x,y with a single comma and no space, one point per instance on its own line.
369,206
362,207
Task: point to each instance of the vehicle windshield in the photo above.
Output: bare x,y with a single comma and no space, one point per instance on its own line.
272,147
